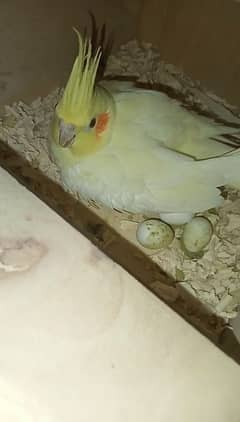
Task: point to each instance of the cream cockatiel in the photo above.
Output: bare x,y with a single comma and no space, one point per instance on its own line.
138,150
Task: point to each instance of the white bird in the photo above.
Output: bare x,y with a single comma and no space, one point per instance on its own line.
138,150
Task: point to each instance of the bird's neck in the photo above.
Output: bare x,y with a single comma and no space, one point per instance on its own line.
105,100
105,103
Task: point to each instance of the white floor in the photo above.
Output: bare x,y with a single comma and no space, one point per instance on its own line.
81,340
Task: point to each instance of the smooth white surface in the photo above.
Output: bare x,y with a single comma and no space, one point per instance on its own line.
81,340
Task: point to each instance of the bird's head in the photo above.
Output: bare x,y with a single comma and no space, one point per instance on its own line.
84,116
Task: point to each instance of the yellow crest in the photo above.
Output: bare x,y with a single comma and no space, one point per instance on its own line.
75,104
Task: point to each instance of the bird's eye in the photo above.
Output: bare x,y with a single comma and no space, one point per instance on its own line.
93,122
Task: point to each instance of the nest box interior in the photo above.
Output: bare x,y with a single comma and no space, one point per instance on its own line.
189,49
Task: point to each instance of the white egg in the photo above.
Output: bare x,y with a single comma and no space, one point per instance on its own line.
197,234
154,234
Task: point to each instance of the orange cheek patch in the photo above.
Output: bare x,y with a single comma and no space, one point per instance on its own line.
102,123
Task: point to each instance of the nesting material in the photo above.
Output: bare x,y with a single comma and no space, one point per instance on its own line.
213,277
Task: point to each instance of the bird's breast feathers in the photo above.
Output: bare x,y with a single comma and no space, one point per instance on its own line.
153,180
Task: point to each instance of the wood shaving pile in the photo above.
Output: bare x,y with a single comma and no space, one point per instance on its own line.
213,278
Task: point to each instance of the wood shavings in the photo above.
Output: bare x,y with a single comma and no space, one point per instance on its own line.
213,278
25,128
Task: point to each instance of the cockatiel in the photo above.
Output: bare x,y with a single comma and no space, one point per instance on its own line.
138,150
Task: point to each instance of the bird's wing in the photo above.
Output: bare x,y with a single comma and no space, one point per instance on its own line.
174,181
164,119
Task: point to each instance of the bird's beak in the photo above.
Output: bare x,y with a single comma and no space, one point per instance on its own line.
65,142
66,134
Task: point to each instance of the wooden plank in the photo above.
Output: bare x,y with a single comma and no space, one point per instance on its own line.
199,36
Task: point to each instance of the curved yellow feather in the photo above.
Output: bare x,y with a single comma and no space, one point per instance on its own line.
75,104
